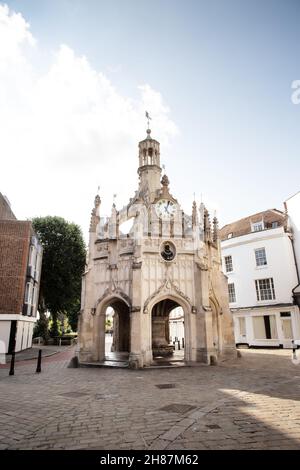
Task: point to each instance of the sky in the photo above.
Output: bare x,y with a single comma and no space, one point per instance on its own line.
76,77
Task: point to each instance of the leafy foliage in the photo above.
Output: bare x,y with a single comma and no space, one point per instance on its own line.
63,264
41,328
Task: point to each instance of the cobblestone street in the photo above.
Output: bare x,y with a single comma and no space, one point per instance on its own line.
250,403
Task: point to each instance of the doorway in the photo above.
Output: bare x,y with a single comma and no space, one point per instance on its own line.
117,330
168,339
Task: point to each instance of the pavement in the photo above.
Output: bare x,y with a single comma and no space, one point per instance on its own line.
252,402
32,353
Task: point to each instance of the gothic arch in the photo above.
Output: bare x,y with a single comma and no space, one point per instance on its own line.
168,290
108,297
183,302
121,303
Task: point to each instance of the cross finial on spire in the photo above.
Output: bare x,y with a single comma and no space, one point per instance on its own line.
148,124
148,119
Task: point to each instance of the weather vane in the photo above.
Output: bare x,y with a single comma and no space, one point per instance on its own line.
148,118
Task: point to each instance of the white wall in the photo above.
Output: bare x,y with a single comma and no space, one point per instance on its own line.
279,339
293,207
25,327
4,333
280,266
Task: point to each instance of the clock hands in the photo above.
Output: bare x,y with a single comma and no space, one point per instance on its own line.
165,208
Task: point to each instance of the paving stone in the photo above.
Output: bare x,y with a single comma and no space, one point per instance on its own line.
250,403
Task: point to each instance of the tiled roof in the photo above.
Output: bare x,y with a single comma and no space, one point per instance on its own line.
244,226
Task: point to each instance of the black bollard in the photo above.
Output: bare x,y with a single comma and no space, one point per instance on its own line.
294,351
178,342
39,362
12,364
182,343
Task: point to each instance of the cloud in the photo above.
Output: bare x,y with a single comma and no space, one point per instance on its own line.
66,129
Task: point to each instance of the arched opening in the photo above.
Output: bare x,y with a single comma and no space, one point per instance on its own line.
168,339
144,157
117,330
150,154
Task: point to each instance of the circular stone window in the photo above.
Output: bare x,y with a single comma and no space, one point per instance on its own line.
168,251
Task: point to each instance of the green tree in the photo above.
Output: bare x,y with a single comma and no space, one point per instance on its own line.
62,267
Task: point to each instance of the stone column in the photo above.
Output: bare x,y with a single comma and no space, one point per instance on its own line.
136,360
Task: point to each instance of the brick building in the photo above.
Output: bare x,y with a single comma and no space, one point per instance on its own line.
20,267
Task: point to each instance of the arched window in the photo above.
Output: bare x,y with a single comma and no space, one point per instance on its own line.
150,153
144,157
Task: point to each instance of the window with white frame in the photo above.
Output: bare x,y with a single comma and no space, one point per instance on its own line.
260,257
231,293
265,289
257,226
28,293
228,264
31,255
242,325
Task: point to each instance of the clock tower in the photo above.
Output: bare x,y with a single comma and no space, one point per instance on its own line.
149,169
165,271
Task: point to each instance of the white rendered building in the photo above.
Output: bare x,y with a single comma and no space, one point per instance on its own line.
292,206
258,259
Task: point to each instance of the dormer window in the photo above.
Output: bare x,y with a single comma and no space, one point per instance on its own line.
257,226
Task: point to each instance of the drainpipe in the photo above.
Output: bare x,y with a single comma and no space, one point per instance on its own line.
295,296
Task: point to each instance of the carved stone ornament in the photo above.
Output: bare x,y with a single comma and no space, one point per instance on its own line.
135,309
202,266
213,299
109,292
136,265
166,286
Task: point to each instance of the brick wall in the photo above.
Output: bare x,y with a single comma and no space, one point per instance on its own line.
14,251
5,210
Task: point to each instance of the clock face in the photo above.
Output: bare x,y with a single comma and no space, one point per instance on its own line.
165,209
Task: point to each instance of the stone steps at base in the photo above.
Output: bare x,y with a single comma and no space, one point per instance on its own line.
120,364
125,364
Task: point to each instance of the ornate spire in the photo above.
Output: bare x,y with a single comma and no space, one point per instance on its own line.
165,181
165,186
215,229
95,214
207,230
194,214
